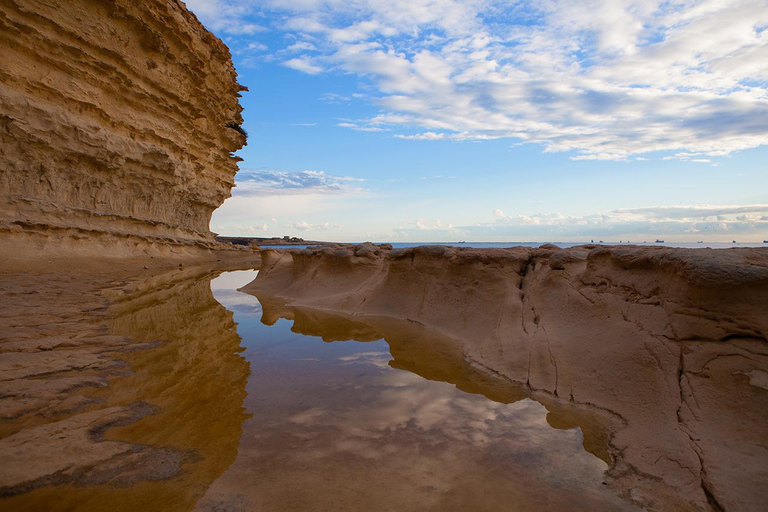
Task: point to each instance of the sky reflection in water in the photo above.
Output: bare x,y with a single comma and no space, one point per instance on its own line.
336,427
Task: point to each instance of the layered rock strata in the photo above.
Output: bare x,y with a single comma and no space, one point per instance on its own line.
117,125
670,342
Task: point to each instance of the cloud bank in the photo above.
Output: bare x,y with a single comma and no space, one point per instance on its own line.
602,79
267,202
265,182
682,223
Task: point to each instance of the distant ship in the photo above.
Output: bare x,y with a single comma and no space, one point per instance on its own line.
659,241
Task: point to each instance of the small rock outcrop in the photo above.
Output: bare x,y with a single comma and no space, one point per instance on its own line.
669,342
118,121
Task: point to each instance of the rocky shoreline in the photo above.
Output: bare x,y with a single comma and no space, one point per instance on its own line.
670,341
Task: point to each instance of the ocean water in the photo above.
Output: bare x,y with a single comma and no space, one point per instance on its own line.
490,245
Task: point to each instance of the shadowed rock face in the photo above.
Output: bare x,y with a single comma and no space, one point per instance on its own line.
119,394
669,341
117,125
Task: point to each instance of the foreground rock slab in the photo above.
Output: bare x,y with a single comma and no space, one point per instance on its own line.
119,390
670,342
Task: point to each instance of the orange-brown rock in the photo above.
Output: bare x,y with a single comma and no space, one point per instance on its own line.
117,125
672,342
116,388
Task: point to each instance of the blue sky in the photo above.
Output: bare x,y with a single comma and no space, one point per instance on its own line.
481,120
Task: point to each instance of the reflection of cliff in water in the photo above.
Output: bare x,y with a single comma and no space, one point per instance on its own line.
426,353
185,383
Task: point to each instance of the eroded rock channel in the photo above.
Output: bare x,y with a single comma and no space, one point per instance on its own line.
670,343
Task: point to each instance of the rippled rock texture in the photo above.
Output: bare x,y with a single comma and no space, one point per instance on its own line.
117,125
119,392
670,342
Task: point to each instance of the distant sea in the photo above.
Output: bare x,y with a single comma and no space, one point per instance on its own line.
489,245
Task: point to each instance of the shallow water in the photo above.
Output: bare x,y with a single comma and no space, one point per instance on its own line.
344,425
245,403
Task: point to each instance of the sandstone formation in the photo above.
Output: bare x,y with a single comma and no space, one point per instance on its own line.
671,343
120,389
117,125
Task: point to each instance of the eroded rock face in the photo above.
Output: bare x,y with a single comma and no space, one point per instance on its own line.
117,125
670,341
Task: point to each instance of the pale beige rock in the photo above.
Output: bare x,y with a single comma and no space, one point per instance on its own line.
114,136
669,340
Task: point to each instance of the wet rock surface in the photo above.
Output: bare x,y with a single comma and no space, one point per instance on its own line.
121,390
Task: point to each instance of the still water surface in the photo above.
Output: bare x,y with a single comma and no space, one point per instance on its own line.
401,424
239,403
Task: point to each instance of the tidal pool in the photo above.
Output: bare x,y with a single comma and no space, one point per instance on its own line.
401,424
176,392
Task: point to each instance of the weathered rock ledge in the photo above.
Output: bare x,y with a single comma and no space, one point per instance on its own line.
670,341
117,125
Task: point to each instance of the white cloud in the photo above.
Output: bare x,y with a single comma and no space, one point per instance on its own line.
291,196
604,79
360,128
333,98
679,221
256,47
432,225
265,182
674,223
303,64
225,16
306,226
301,46
652,214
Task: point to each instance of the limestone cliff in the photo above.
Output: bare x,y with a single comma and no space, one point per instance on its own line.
117,125
670,342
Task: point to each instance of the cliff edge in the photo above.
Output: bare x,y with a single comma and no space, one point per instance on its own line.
118,121
671,343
